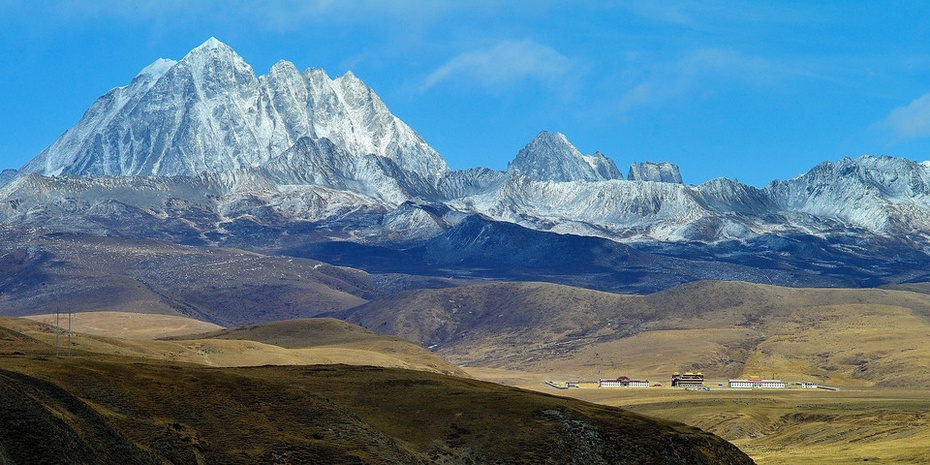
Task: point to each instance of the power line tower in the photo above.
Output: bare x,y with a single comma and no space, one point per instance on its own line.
58,332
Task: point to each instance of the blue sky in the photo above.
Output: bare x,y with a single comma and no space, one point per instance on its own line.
747,90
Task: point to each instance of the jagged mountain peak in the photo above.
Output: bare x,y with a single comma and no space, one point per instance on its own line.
349,76
213,45
209,112
653,171
551,157
885,195
215,61
212,56
158,68
553,142
212,42
284,66
886,173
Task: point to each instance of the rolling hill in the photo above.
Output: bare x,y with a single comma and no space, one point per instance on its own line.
102,409
852,337
297,342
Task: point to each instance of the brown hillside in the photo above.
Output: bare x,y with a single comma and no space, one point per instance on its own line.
498,321
787,426
863,337
126,324
92,409
342,343
296,334
332,338
229,287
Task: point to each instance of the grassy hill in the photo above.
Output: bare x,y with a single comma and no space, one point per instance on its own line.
795,426
126,324
849,337
102,409
298,342
334,341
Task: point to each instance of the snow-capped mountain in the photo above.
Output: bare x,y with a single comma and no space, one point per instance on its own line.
880,194
7,175
204,151
209,112
550,157
652,171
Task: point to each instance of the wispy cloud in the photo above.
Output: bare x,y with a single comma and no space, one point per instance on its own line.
910,121
505,64
279,14
710,70
713,13
291,14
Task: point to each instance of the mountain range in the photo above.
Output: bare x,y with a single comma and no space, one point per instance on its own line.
202,151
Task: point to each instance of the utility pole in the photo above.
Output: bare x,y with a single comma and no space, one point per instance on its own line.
57,330
69,333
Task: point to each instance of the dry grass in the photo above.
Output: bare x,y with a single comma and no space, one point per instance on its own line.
128,325
106,409
890,427
653,355
855,344
344,344
886,426
844,337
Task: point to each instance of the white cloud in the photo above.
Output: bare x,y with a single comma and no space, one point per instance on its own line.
912,120
504,64
708,71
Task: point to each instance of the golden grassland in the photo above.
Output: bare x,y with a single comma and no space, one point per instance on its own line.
773,426
803,426
325,341
843,337
104,408
127,325
869,342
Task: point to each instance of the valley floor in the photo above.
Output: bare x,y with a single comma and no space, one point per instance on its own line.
776,426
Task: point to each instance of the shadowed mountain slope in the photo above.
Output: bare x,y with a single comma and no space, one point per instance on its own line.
76,272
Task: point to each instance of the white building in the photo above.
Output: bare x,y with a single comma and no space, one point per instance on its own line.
756,382
740,383
623,381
